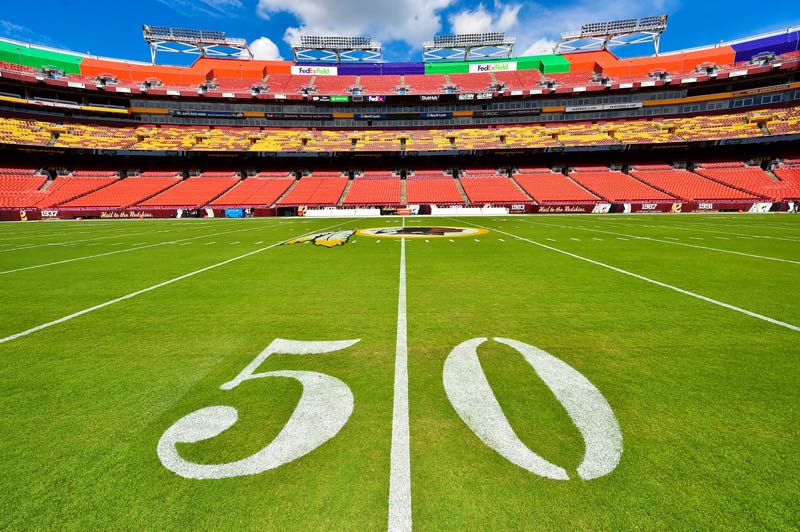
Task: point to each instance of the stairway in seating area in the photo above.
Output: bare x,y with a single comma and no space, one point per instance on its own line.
344,193
287,191
521,189
462,192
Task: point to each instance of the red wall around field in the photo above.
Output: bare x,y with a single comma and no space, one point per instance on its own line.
678,62
134,72
230,68
590,61
202,70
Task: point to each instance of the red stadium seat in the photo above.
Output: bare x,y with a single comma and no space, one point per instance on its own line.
315,191
616,186
441,190
551,187
124,193
754,180
385,192
495,190
255,192
64,189
191,193
689,186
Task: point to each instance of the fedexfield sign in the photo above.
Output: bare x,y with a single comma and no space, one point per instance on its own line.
493,67
314,71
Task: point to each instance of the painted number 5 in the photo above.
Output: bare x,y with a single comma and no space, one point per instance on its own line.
324,408
470,394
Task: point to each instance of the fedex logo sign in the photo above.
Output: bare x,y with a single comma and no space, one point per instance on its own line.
314,71
493,67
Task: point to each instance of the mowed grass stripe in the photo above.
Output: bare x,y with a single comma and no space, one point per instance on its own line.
34,229
741,281
705,398
652,239
649,280
71,228
148,289
62,243
28,298
126,373
137,248
731,233
700,394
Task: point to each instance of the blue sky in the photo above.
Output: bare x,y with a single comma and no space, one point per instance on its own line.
113,29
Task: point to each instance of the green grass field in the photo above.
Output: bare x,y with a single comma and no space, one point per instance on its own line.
687,325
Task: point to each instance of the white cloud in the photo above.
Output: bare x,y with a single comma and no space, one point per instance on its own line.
212,8
16,32
542,46
223,4
411,21
537,26
479,20
263,48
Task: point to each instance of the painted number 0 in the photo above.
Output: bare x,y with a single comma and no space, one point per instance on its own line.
470,394
327,403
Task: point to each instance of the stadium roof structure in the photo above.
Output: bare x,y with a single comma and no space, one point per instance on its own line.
468,46
206,43
603,35
337,49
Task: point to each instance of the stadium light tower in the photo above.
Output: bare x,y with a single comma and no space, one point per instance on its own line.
337,49
466,46
603,35
206,43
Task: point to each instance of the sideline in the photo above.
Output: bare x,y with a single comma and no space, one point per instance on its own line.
155,287
136,248
646,279
652,239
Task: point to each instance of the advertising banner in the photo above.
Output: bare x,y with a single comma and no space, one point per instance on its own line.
493,67
234,213
315,71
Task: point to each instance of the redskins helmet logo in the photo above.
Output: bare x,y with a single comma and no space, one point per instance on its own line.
330,239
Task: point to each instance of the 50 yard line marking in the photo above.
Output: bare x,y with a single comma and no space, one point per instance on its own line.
648,280
400,473
153,287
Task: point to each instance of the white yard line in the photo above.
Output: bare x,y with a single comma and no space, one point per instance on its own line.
776,227
648,280
741,235
21,235
674,243
51,244
400,473
151,288
87,257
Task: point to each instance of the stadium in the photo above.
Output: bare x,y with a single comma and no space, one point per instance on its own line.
481,291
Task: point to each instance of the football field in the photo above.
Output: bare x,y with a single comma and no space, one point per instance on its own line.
505,373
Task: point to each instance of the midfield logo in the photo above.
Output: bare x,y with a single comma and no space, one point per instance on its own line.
330,239
421,232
